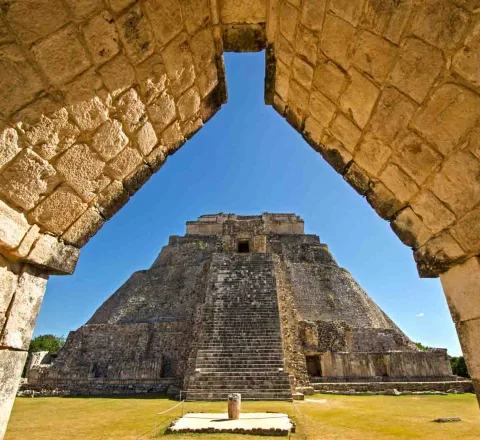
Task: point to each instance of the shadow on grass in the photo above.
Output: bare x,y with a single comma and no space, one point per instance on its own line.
143,396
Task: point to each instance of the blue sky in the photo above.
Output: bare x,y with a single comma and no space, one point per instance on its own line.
248,160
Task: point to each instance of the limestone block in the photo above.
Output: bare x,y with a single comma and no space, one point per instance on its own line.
19,80
329,78
337,36
101,37
8,145
84,8
26,245
467,60
61,55
467,231
131,110
166,19
109,139
460,284
450,112
346,131
312,15
306,44
157,157
387,18
82,169
410,229
284,51
13,226
27,178
282,80
469,336
374,55
179,64
172,137
357,178
457,183
54,255
189,103
417,68
402,186
392,115
359,98
203,48
437,255
46,126
372,154
333,151
313,132
152,77
59,210
86,226
119,5
89,114
416,158
24,308
118,74
243,11
162,111
279,105
8,283
382,200
243,37
288,21
123,164
34,19
321,108
302,72
433,212
146,138
12,365
196,14
207,80
111,199
136,34
137,178
440,23
297,104
348,10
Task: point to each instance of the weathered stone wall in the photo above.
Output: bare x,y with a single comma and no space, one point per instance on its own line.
413,365
22,287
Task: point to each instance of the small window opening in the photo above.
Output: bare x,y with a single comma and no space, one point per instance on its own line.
314,368
243,247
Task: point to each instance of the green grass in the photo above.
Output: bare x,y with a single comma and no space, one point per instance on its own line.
321,417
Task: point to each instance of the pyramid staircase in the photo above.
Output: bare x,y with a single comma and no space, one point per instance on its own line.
240,345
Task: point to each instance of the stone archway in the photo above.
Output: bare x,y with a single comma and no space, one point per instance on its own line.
94,96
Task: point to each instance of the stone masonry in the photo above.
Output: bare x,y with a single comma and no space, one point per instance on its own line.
96,94
246,304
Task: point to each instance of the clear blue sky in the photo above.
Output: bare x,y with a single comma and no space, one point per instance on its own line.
248,160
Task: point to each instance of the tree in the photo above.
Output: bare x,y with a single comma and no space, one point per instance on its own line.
459,367
50,343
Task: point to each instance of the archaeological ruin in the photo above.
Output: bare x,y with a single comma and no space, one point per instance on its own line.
96,94
247,304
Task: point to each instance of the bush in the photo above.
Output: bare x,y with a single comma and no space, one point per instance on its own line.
459,367
50,343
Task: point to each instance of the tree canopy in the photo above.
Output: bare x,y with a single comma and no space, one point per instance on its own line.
50,343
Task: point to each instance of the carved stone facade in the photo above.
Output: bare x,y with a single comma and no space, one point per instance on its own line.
96,94
215,317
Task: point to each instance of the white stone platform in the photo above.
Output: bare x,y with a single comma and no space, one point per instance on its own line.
248,423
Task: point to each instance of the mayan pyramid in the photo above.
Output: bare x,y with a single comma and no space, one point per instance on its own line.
247,304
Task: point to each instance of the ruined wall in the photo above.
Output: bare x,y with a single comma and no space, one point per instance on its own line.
413,365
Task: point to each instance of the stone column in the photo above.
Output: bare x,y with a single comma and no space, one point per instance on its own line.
462,288
22,287
234,404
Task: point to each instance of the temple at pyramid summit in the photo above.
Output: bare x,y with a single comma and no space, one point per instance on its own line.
247,304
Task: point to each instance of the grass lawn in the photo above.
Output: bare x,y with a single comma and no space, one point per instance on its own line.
320,417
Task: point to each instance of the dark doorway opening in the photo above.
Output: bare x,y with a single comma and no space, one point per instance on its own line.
243,247
313,366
